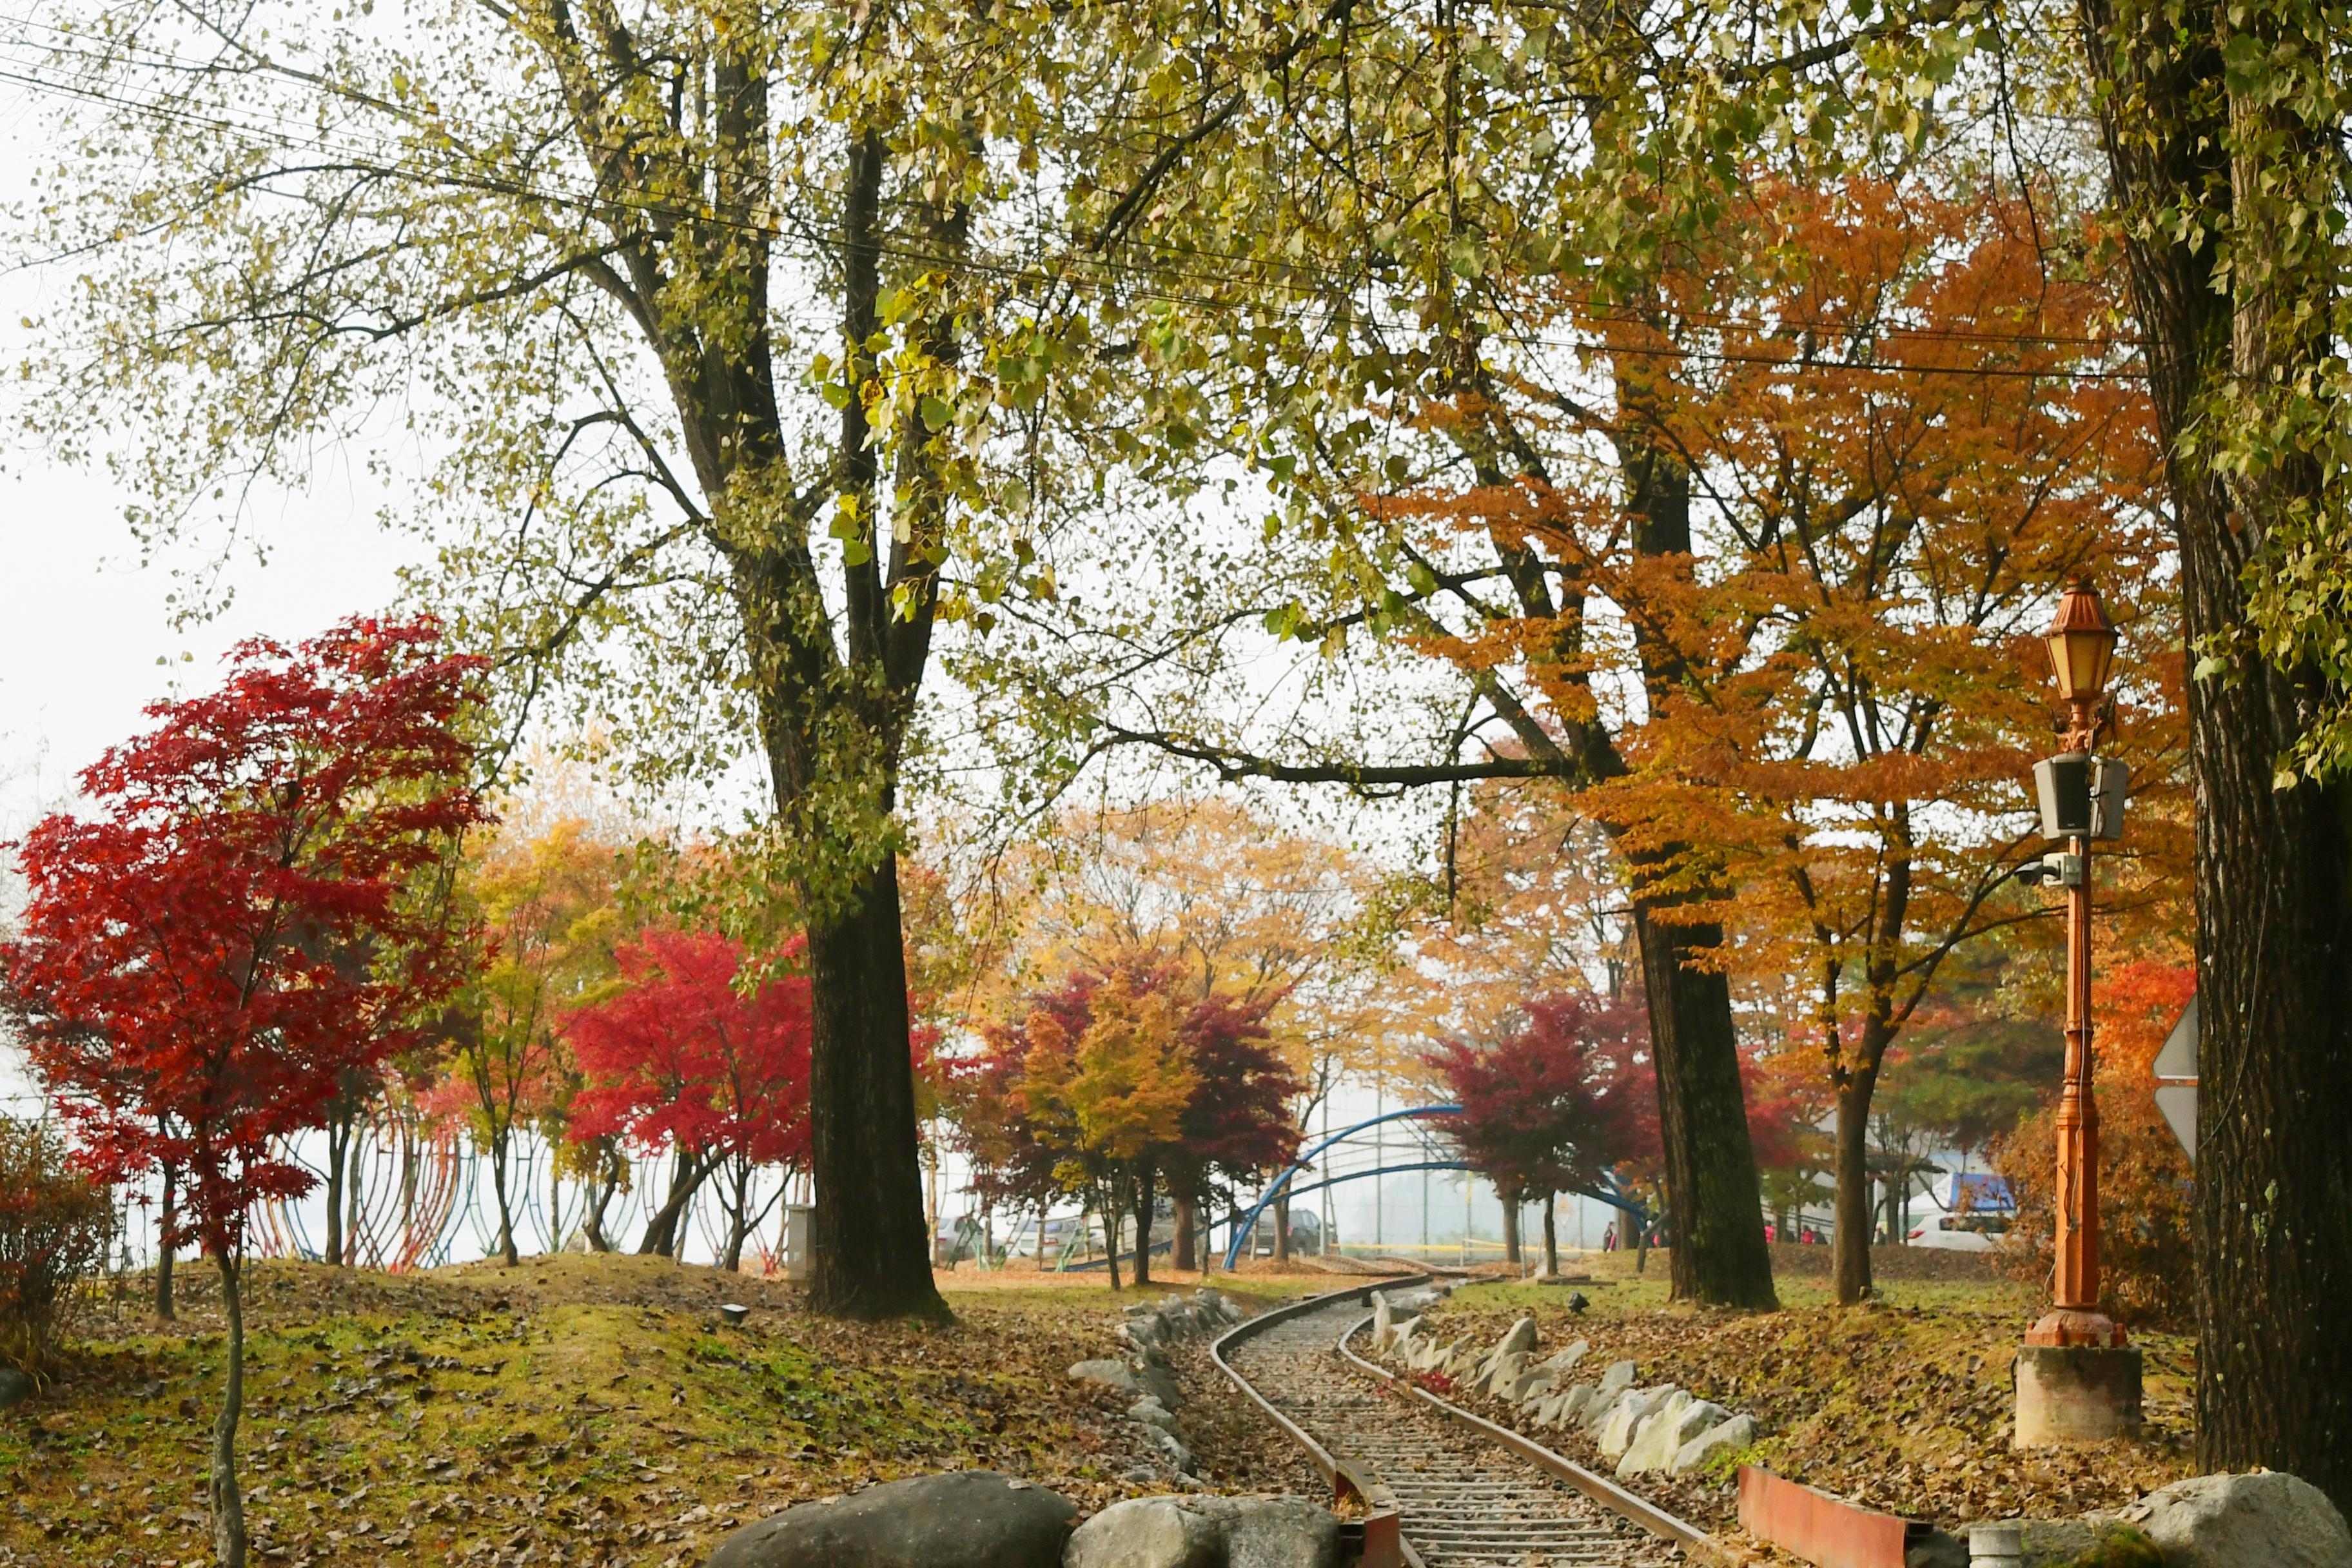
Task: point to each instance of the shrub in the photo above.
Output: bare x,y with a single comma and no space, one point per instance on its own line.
55,1224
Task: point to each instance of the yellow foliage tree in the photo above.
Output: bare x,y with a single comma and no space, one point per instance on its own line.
1108,1097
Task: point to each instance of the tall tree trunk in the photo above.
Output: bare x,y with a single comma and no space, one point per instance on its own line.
1281,1232
1551,1236
2274,866
662,1232
602,1183
2274,930
498,1149
835,701
871,1261
739,1219
1146,1185
1713,1191
352,1197
339,1137
1715,1200
1112,1223
1510,1227
227,1502
1184,1248
164,1250
1852,1205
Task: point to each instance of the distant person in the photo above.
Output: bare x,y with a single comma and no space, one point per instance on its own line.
1609,1239
1771,1232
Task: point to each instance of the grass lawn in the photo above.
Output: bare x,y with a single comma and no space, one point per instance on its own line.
575,1410
593,1410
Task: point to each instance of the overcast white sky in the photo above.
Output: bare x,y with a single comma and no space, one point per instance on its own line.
82,623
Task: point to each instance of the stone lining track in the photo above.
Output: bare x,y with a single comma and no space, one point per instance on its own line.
1466,1500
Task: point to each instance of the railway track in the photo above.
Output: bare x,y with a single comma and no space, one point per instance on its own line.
1465,1494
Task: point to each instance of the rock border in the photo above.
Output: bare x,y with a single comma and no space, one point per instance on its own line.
1645,1430
1143,1370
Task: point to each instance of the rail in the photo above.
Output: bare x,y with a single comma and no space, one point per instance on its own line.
1385,1544
1600,1488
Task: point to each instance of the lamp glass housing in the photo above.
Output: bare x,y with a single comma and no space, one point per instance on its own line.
2081,644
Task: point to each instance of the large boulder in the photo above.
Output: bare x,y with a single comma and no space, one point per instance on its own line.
1519,1339
1727,1437
1566,1356
1634,1406
1207,1533
1148,1532
1661,1436
1115,1375
2268,1518
1277,1531
1613,1386
1383,1321
1497,1375
1151,1413
962,1519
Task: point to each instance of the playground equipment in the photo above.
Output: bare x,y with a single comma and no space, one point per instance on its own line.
1436,1155
411,1181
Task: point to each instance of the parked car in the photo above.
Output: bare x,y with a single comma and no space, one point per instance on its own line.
1305,1234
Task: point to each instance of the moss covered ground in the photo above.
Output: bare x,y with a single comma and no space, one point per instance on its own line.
576,1410
595,1410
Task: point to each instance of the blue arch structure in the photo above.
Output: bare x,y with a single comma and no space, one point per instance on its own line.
1282,1185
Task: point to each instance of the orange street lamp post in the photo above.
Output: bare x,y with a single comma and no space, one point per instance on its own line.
2077,1378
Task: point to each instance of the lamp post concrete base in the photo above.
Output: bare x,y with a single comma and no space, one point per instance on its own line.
2076,1393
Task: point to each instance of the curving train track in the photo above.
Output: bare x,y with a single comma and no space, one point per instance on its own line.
1440,1488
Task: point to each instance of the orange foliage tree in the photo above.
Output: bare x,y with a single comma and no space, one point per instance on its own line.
1883,427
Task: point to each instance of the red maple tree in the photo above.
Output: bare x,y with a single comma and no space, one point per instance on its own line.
682,1058
241,924
1238,1128
1556,1103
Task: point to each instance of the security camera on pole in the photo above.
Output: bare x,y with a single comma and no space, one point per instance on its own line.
2077,1380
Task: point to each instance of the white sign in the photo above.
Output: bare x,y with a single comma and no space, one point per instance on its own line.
2176,1078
